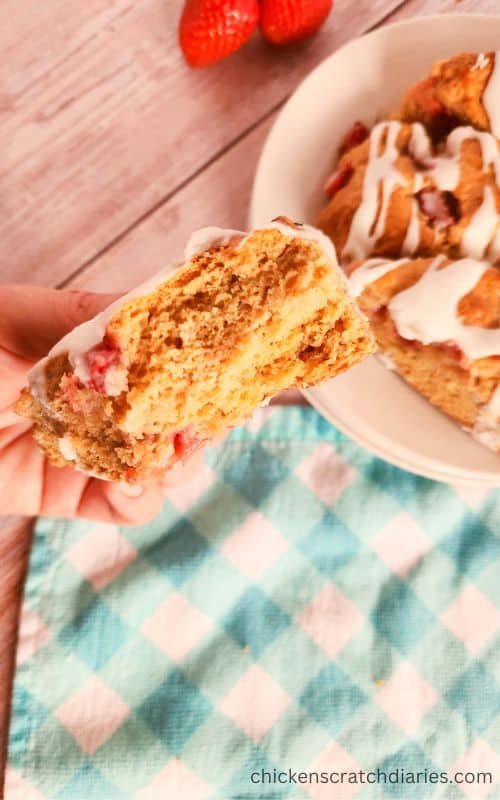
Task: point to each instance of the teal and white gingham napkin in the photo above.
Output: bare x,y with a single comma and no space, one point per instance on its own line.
301,609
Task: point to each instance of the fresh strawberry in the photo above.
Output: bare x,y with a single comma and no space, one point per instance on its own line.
100,359
213,29
339,179
453,350
354,136
443,123
285,21
423,96
186,443
130,475
439,207
439,120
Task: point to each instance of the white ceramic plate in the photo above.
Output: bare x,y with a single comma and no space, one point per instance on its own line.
363,80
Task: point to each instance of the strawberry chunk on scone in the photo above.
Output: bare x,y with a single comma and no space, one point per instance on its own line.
191,353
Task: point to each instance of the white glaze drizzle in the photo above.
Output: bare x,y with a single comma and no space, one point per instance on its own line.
206,238
427,311
488,144
370,271
444,170
481,228
481,62
86,336
310,233
304,231
380,179
68,452
412,237
82,338
66,448
491,96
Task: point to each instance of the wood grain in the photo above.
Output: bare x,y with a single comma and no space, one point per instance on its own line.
420,8
219,194
101,119
162,235
113,151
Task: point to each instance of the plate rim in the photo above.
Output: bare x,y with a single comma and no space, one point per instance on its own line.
460,476
372,34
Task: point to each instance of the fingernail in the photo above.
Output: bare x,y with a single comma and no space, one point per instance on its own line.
130,490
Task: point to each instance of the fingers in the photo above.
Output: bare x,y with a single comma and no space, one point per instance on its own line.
11,432
33,318
21,471
182,473
132,505
120,505
62,491
69,493
29,485
13,371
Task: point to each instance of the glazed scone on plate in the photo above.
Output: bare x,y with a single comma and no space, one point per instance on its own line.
463,90
397,193
437,322
188,355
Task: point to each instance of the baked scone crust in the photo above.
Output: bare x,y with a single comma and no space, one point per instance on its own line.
421,185
389,205
451,95
462,386
180,362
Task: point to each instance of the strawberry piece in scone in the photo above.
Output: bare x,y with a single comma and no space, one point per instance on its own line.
191,353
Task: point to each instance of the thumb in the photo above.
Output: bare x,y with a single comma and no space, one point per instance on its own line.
33,318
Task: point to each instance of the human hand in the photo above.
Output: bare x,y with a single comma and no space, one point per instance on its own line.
32,320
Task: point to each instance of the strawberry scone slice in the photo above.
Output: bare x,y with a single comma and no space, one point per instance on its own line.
437,324
463,90
396,192
190,354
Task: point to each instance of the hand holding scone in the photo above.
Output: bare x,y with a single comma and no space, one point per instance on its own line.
190,353
32,320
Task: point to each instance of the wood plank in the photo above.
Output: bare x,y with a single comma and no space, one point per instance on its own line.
101,119
219,195
419,8
161,237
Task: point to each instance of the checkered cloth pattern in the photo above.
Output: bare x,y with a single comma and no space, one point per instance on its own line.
301,606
